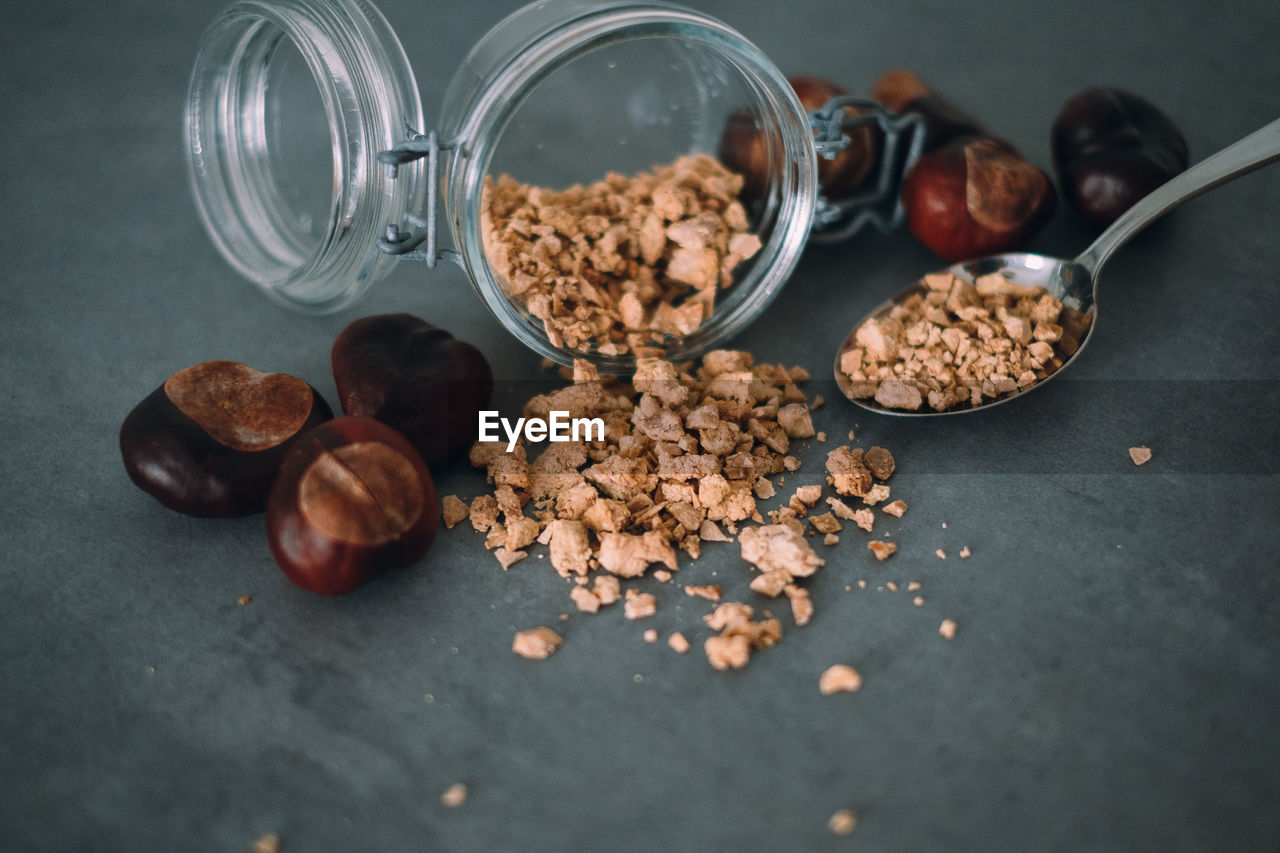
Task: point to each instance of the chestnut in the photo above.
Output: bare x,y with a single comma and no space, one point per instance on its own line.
353,499
209,441
743,147
975,197
414,377
901,91
1110,149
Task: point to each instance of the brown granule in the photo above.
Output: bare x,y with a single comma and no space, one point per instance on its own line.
965,552
620,264
825,523
914,586
892,587
608,589
882,550
452,510
678,643
898,508
830,539
639,605
953,344
454,796
839,678
876,494
536,643
585,600
509,558
843,822
269,843
918,601
940,554
711,592
727,652
947,629
651,635
777,547
1140,455
244,599
801,604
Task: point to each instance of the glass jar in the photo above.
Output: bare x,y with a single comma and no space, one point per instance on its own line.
307,159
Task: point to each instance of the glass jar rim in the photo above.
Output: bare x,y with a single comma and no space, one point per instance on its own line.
475,134
370,100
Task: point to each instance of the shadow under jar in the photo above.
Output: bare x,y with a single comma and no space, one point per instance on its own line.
312,174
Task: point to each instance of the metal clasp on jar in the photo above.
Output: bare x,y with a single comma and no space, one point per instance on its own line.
396,240
902,140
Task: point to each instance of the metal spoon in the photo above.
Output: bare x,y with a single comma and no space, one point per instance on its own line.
1075,282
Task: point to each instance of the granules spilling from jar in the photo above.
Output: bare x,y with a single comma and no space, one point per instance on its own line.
953,344
687,455
619,265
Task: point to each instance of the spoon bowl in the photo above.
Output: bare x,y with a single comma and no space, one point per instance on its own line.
1075,282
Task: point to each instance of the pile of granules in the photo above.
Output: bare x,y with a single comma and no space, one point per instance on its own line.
952,343
621,264
687,456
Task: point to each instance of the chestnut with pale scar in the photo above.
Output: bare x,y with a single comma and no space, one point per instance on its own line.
353,499
209,441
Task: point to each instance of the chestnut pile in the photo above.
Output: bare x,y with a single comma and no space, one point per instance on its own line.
971,193
345,499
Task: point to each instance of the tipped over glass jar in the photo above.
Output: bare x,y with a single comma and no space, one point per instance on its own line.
579,168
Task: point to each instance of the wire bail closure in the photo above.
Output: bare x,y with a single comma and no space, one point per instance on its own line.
398,241
879,205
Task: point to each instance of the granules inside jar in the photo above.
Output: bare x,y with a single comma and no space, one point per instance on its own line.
619,265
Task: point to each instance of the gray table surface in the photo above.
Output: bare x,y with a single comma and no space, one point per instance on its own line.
1116,674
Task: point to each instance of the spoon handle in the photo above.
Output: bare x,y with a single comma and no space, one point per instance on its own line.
1254,151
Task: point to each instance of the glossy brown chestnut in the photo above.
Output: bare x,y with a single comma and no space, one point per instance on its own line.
976,197
353,499
1110,149
414,377
744,148
209,441
901,91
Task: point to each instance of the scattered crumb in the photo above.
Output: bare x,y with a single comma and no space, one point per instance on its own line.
843,822
269,843
940,554
918,601
586,600
891,586
831,539
536,643
678,643
244,599
898,508
651,636
881,550
639,605
1140,455
455,795
913,586
965,552
947,629
710,592
839,679
453,510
